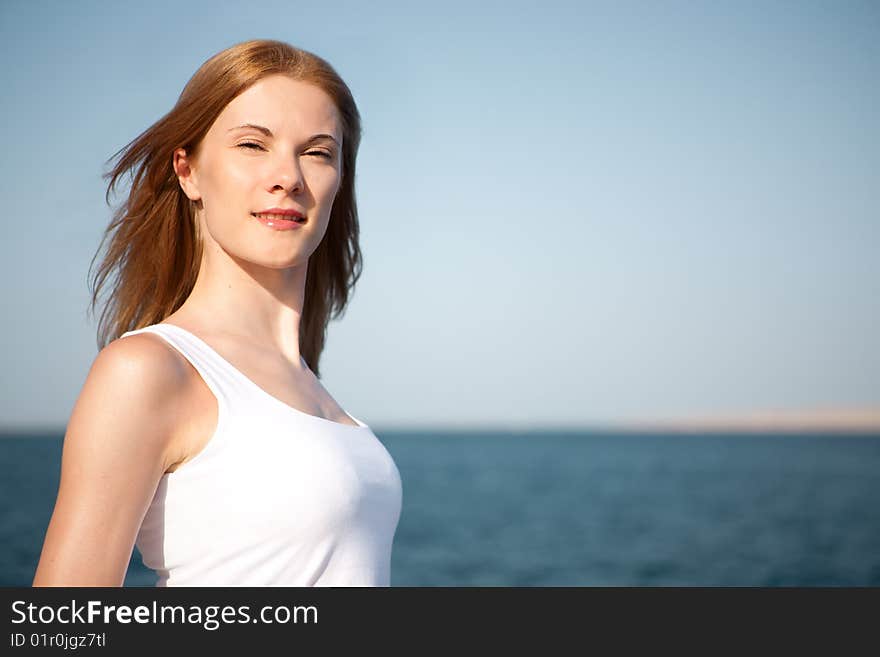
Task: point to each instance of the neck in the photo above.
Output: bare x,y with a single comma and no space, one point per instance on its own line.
256,303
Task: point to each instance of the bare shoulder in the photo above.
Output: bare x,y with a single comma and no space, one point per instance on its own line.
143,350
146,360
130,394
116,448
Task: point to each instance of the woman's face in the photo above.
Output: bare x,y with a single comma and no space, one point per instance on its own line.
288,155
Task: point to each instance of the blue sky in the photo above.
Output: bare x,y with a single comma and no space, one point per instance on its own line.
571,215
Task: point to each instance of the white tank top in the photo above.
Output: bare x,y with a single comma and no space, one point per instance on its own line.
277,497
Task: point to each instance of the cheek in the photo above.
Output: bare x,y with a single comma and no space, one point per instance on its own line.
228,179
330,187
236,178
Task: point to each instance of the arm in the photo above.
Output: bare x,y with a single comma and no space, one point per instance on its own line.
116,449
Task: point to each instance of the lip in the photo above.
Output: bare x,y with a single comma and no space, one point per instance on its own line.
278,224
284,211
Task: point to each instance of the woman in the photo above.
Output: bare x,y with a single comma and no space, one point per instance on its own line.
202,433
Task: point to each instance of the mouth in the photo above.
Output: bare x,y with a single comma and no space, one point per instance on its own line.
279,218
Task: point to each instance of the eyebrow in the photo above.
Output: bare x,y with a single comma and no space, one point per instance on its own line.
268,132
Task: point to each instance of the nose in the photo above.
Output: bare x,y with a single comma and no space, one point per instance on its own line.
287,175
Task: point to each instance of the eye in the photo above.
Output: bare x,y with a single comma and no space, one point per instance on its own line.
323,154
251,145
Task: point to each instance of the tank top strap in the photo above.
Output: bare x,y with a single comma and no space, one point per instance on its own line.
217,373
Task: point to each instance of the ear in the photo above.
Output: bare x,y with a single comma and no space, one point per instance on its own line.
186,175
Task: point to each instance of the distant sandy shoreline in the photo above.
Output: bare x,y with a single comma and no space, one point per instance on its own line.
861,420
856,421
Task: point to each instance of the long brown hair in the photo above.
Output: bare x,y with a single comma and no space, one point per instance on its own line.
154,249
